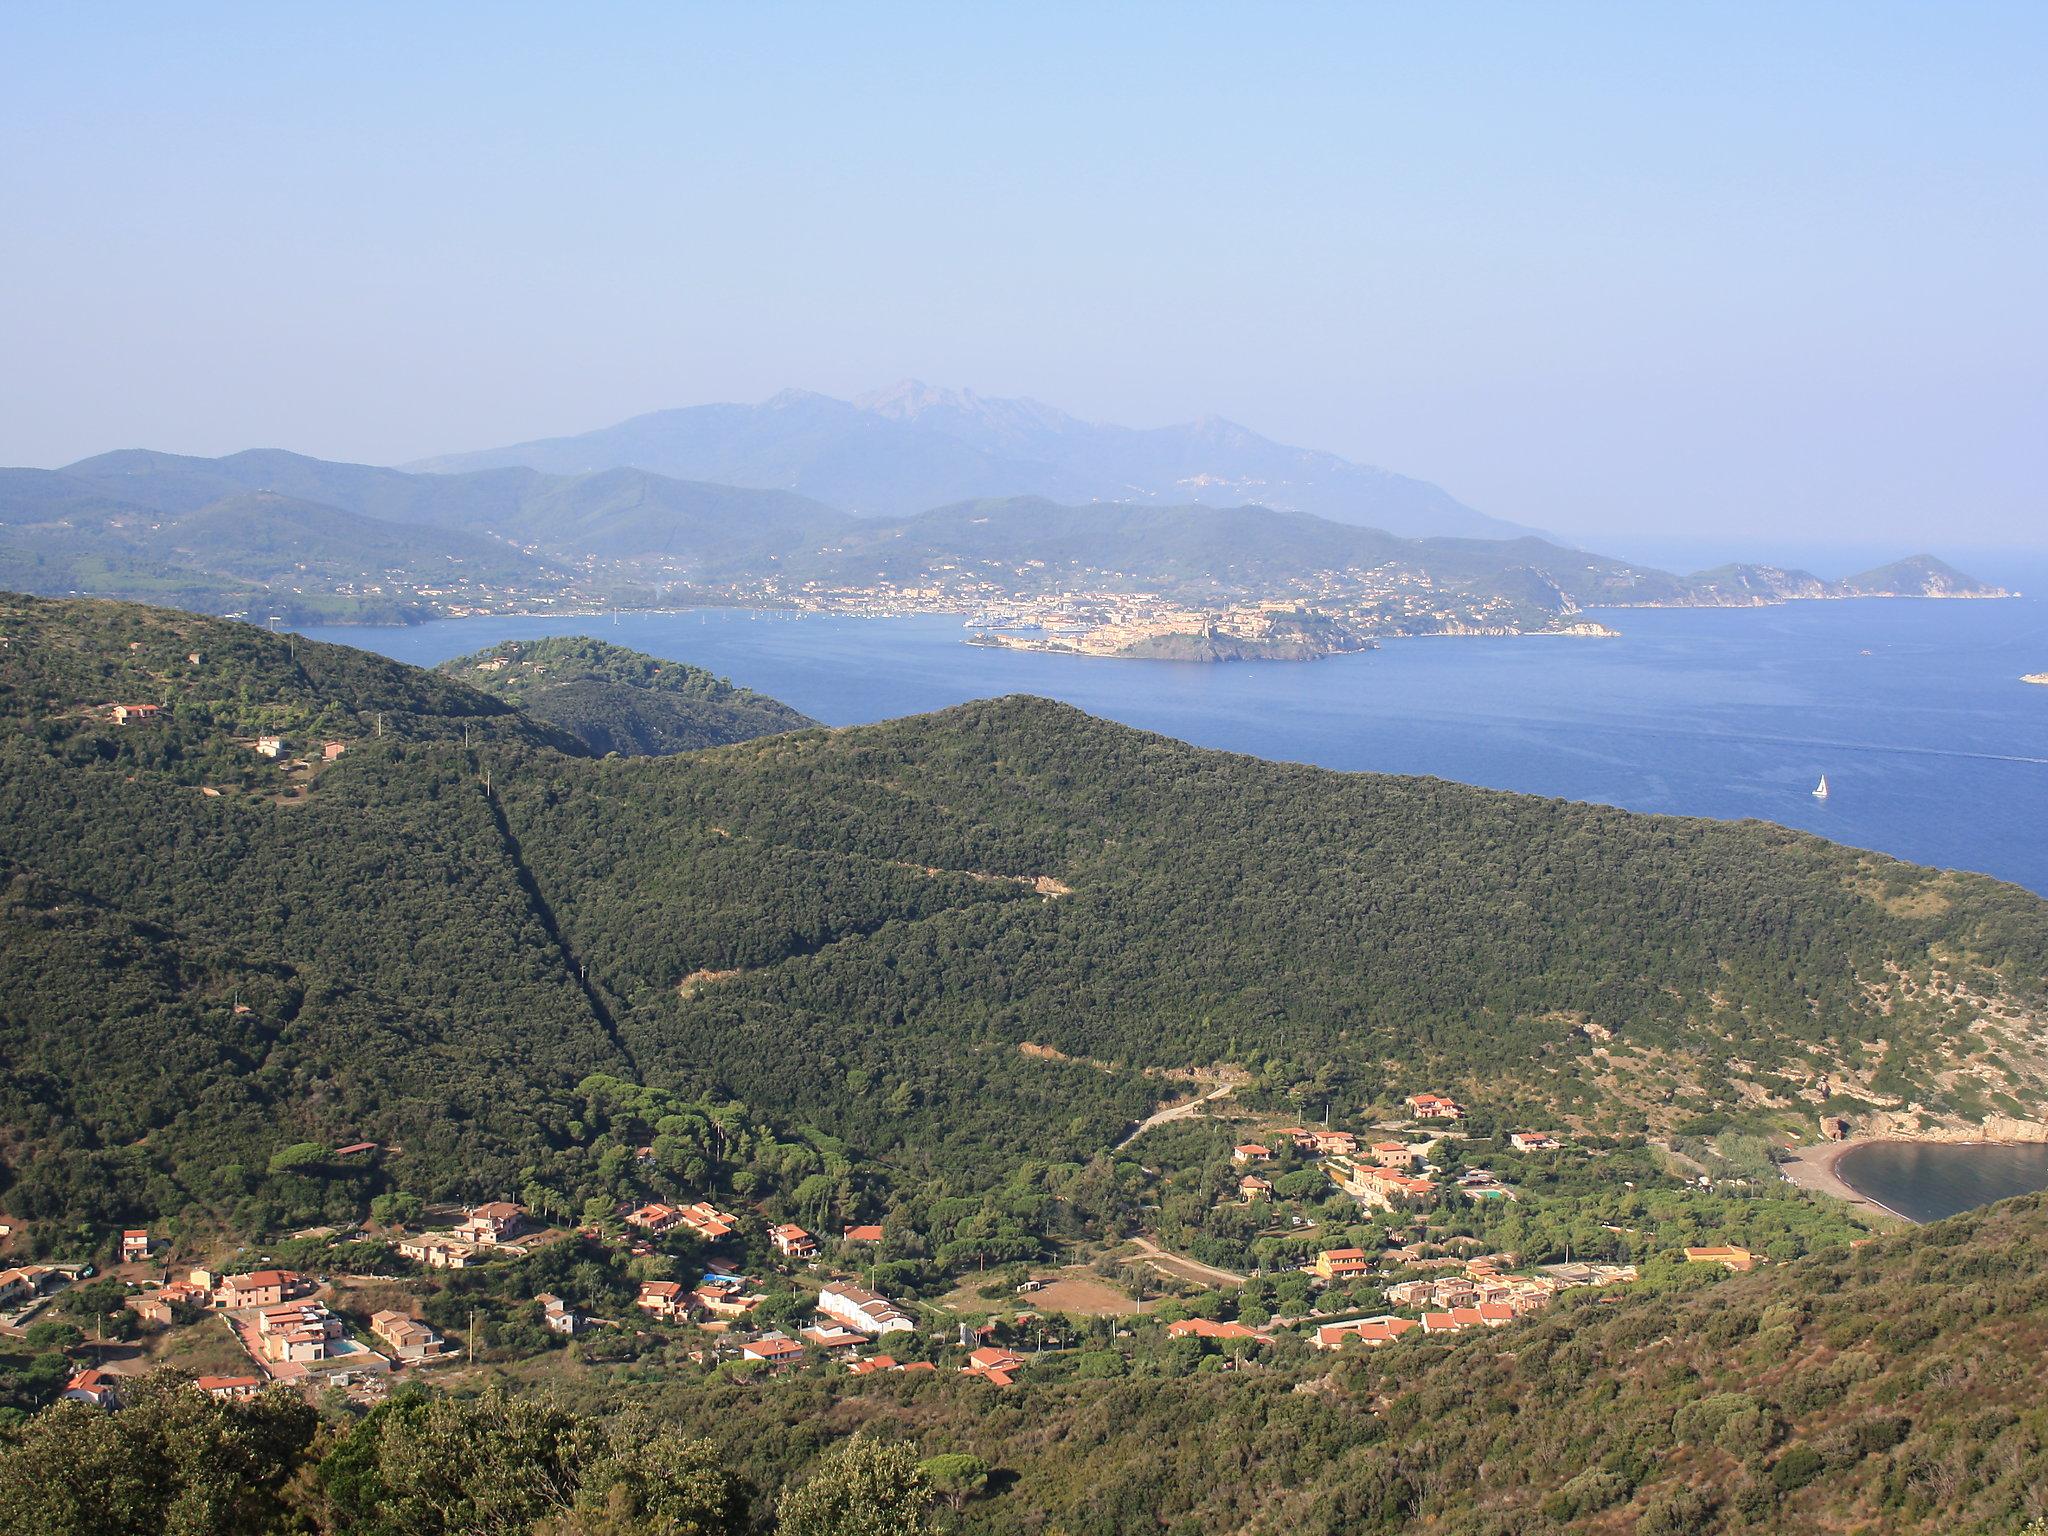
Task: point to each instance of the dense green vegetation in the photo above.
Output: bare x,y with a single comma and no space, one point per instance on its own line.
1893,1387
801,973
617,700
433,939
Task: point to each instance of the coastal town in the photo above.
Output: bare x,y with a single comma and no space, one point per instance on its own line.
740,1293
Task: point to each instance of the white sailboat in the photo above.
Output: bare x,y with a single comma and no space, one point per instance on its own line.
1820,790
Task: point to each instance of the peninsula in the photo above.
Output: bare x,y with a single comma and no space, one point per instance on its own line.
277,537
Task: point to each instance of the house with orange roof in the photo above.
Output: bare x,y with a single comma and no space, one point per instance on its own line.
1372,1332
727,1303
998,1367
1205,1328
1375,1187
407,1337
1251,1152
708,1221
260,1288
654,1218
93,1386
491,1223
24,1283
832,1338
557,1316
439,1250
867,1232
297,1332
229,1388
793,1242
772,1349
661,1299
1434,1106
168,1304
1342,1264
1399,1154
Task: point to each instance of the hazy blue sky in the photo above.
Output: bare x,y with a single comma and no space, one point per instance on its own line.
1613,269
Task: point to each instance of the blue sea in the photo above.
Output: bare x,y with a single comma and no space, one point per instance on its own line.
1934,750
1925,1181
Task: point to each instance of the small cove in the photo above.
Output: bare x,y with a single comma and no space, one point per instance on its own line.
1926,1181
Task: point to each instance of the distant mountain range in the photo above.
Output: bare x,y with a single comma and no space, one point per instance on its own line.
310,539
306,539
1200,552
902,450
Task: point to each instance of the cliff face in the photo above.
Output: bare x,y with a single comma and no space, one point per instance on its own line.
1902,1125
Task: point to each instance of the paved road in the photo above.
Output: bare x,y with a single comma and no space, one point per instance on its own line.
1176,1112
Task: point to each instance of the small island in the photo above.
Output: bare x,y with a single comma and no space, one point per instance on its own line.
1587,629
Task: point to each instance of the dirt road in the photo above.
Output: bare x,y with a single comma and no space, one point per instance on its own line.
1175,1112
1184,1269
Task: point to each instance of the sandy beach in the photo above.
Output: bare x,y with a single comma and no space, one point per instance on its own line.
1814,1168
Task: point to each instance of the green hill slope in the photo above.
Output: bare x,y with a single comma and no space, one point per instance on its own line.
618,700
857,932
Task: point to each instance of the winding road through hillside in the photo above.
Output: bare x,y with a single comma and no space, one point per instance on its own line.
1175,1112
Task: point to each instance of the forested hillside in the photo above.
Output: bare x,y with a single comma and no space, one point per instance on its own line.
440,930
617,700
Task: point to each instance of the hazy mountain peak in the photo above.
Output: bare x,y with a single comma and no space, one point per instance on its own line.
912,446
914,401
781,400
907,398
1222,432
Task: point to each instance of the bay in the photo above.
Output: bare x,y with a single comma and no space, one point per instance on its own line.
1926,1181
1934,749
